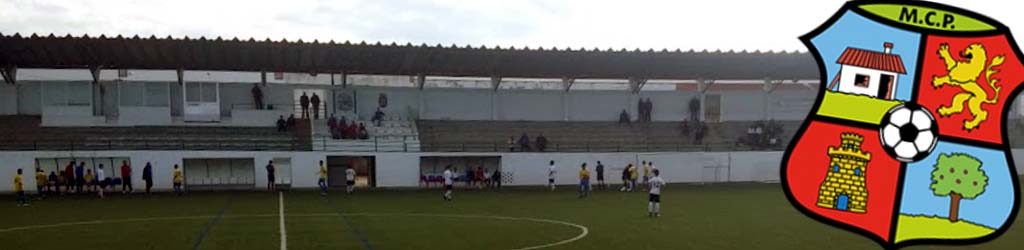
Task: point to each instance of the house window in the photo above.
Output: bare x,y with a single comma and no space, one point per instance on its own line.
861,80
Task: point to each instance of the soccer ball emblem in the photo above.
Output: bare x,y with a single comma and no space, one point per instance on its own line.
908,132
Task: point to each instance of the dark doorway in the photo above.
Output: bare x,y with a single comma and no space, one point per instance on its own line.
885,86
365,167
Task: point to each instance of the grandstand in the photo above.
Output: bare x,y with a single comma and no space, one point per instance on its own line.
193,99
408,111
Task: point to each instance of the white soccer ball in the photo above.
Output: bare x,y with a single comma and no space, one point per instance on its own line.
908,132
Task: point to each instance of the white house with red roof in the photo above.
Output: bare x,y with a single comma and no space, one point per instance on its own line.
867,72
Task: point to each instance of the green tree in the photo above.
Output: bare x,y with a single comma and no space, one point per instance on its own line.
958,176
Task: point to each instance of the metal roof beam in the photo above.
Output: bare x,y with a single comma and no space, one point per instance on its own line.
10,74
421,81
704,84
567,83
495,82
770,85
636,84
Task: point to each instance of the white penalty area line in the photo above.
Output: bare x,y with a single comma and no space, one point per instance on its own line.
280,206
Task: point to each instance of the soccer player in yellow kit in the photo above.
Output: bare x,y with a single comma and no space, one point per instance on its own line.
584,181
178,180
41,183
322,182
19,189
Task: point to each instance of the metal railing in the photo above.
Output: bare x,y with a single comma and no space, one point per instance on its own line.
593,147
406,143
294,108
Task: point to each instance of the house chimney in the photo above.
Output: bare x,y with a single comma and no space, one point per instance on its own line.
888,48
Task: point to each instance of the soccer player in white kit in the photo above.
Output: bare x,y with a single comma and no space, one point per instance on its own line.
448,181
551,175
654,199
350,180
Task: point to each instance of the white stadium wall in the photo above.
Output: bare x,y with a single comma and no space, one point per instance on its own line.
8,99
530,105
402,170
458,104
597,105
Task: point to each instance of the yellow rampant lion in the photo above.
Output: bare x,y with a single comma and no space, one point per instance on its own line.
964,74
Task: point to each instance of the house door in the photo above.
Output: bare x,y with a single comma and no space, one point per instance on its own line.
885,86
841,202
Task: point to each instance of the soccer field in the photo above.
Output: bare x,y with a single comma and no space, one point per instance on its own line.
726,216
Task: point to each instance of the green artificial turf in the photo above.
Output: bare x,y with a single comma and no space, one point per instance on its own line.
726,216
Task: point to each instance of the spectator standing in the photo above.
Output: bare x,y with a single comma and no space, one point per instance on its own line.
19,189
69,176
650,110
270,176
315,102
524,143
542,143
147,176
291,122
101,177
257,96
640,110
496,178
600,175
40,183
79,177
126,178
304,102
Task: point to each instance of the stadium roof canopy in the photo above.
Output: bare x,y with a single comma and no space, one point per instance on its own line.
218,54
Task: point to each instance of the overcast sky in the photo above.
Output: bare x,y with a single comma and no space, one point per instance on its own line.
714,24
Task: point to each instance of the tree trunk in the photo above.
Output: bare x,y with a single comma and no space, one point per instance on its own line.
954,207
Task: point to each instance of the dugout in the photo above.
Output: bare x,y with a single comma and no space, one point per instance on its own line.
432,168
365,167
219,173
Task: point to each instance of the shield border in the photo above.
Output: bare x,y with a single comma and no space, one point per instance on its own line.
1000,29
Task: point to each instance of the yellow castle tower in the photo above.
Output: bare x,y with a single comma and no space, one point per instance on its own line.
844,186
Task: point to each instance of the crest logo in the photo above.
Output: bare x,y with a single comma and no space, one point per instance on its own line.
906,143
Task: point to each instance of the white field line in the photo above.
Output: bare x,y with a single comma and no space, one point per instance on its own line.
584,231
284,235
